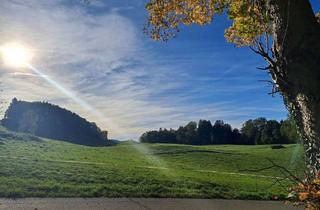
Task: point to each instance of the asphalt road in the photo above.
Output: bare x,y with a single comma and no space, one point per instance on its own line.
138,204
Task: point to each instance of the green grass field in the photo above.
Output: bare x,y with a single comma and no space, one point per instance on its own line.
50,168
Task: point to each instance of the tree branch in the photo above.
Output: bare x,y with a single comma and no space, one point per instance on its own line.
287,174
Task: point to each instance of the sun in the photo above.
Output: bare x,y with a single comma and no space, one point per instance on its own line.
15,55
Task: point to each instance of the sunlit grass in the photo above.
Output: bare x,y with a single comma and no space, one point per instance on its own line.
58,169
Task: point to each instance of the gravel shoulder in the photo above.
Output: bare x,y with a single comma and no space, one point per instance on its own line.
139,204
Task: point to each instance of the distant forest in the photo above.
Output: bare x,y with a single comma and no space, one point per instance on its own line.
253,132
50,121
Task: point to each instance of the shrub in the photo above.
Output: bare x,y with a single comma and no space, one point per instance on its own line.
307,193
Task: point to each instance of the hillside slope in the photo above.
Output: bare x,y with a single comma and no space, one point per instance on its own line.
51,121
51,168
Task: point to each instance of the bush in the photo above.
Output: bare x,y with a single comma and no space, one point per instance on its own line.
277,147
307,193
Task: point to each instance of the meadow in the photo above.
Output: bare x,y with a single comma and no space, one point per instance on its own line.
48,168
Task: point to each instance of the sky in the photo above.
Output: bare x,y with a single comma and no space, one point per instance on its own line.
104,67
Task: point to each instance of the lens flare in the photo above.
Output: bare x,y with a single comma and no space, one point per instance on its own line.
18,56
15,55
84,104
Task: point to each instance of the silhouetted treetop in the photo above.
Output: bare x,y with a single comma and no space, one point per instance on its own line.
51,121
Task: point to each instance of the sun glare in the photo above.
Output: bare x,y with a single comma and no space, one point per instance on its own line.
15,55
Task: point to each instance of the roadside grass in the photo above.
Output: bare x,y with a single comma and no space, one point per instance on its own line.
48,168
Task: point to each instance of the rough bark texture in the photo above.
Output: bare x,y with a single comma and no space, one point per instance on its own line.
296,68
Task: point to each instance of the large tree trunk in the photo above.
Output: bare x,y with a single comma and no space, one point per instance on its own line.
296,69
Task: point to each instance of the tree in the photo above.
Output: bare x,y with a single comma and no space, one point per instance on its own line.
191,133
263,131
221,133
288,131
260,124
180,135
293,59
250,132
204,132
236,136
270,133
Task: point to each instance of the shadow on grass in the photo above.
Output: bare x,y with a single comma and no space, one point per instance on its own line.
194,151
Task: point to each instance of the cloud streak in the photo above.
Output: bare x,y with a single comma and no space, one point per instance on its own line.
102,60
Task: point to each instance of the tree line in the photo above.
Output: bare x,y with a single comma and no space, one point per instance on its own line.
253,132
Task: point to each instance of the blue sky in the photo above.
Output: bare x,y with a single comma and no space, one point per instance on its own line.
124,81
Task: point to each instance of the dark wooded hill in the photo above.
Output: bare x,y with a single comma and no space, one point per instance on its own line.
51,121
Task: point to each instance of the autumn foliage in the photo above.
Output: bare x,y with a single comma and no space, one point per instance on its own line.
307,193
249,18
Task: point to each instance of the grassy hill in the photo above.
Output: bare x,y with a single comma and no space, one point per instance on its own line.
46,168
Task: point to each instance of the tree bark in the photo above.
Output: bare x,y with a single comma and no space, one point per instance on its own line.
296,69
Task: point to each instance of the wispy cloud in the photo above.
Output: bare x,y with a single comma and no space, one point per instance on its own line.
102,59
